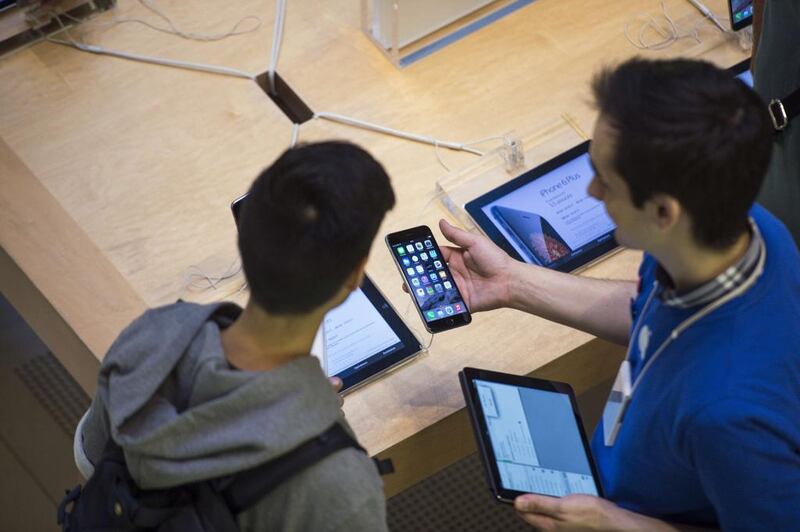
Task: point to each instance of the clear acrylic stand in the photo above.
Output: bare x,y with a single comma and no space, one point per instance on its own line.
503,164
400,28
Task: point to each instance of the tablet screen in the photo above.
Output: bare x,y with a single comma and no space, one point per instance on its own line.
362,336
546,216
742,72
536,440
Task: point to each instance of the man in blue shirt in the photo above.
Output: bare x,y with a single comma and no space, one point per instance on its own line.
709,433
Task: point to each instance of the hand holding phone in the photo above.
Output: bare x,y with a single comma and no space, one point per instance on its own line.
430,283
481,269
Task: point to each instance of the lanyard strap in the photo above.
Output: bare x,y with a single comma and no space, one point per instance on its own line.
694,318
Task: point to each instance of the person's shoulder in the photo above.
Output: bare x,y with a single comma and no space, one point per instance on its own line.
341,492
747,419
777,238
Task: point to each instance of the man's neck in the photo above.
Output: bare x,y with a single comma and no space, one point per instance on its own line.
259,341
690,266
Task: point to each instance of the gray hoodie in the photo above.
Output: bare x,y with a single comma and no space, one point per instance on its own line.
168,397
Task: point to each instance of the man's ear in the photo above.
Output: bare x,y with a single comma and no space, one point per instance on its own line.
351,283
664,212
355,278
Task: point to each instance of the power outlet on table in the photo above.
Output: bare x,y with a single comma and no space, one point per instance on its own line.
285,98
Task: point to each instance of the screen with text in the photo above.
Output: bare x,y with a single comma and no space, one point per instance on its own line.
553,218
536,440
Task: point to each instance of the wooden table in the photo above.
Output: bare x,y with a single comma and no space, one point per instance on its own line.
116,177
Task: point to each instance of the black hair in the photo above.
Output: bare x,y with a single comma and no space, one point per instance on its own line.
308,221
691,130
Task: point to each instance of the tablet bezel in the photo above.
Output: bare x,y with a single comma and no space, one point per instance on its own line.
740,68
601,247
478,422
367,371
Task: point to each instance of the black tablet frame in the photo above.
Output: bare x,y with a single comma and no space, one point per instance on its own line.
478,421
379,363
740,68
579,258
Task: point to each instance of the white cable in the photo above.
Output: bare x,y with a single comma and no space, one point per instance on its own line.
439,156
707,13
213,69
504,138
171,27
277,40
341,119
211,281
669,32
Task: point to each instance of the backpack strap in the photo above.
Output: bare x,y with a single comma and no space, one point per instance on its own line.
250,486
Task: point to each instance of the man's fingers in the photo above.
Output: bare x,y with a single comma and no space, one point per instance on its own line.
455,235
336,383
538,521
448,251
538,504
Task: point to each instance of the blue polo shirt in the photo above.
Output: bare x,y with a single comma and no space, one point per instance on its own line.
712,434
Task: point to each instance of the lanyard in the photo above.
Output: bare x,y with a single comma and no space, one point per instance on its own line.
622,392
691,320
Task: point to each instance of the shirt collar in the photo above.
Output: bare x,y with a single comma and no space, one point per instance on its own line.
722,284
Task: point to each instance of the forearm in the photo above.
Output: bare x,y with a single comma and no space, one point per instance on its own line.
597,306
643,523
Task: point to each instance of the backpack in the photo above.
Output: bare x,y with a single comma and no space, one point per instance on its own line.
110,501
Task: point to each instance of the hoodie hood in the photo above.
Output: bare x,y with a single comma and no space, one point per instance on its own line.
182,413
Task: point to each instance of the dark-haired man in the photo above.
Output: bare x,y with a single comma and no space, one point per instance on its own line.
192,392
706,433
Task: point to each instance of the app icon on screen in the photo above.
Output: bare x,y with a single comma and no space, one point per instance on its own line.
438,287
423,256
410,271
448,310
428,244
458,307
420,269
433,254
442,275
437,264
431,314
406,262
419,246
401,251
415,282
440,313
425,280
414,258
433,276
448,285
410,248
420,292
429,290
